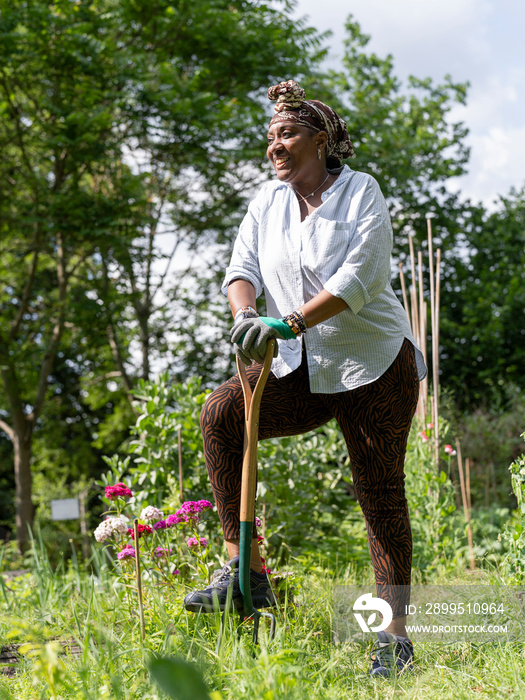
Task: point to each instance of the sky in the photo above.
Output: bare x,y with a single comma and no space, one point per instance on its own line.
479,41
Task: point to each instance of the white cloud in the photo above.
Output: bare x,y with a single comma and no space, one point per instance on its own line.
496,164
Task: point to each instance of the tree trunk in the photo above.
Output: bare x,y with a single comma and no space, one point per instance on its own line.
25,510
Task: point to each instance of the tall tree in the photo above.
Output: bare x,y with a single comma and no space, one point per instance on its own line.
59,84
84,88
483,325
197,131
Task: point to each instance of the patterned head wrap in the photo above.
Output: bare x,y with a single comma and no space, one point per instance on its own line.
291,106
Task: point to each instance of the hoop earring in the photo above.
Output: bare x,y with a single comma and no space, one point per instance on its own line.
318,154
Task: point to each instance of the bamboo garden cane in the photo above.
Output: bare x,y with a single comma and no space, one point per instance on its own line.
252,404
435,342
139,580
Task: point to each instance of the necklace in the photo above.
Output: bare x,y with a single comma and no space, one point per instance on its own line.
311,193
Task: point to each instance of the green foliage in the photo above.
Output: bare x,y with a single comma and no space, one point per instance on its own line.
438,538
166,409
84,87
483,299
59,536
179,679
59,94
490,439
514,533
517,470
48,666
405,137
153,452
85,610
305,492
305,486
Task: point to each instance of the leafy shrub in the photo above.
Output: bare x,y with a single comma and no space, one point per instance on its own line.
514,534
431,500
305,490
489,437
152,462
306,486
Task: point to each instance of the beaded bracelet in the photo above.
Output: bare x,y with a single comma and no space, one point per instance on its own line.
246,312
297,322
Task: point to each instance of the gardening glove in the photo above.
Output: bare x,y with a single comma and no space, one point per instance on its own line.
250,336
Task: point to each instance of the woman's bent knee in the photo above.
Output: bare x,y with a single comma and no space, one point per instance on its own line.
223,409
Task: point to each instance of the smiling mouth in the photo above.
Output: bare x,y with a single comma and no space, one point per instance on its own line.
279,162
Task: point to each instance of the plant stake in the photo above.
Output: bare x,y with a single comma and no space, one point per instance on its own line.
404,290
465,495
180,467
435,336
139,580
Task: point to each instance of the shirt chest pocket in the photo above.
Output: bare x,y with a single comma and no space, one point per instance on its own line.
324,246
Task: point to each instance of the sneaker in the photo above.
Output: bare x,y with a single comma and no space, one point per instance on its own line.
204,601
393,655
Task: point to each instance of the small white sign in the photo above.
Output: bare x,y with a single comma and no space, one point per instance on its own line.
65,509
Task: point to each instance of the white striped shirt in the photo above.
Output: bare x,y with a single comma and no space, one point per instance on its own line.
344,246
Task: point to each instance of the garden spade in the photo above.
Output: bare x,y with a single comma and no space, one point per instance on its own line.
252,404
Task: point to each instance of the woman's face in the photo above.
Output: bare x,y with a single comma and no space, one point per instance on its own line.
292,150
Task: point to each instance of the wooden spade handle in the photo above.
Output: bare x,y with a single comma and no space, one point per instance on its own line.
252,404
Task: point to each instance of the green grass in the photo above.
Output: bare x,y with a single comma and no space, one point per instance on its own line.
91,610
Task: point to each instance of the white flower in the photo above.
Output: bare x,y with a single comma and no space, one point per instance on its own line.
151,514
118,525
107,527
103,531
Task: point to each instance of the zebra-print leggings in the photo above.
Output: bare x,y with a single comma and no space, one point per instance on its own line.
375,420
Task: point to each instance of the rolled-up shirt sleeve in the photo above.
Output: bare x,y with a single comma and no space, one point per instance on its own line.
365,273
244,263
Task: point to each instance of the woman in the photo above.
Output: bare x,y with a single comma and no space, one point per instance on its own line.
318,240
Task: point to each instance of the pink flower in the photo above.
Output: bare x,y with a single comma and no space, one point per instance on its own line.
258,522
194,507
430,426
450,450
172,520
126,553
160,525
189,507
260,539
120,490
161,552
204,504
423,435
197,542
143,530
188,513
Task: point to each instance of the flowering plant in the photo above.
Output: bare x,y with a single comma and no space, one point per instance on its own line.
169,546
109,528
119,490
